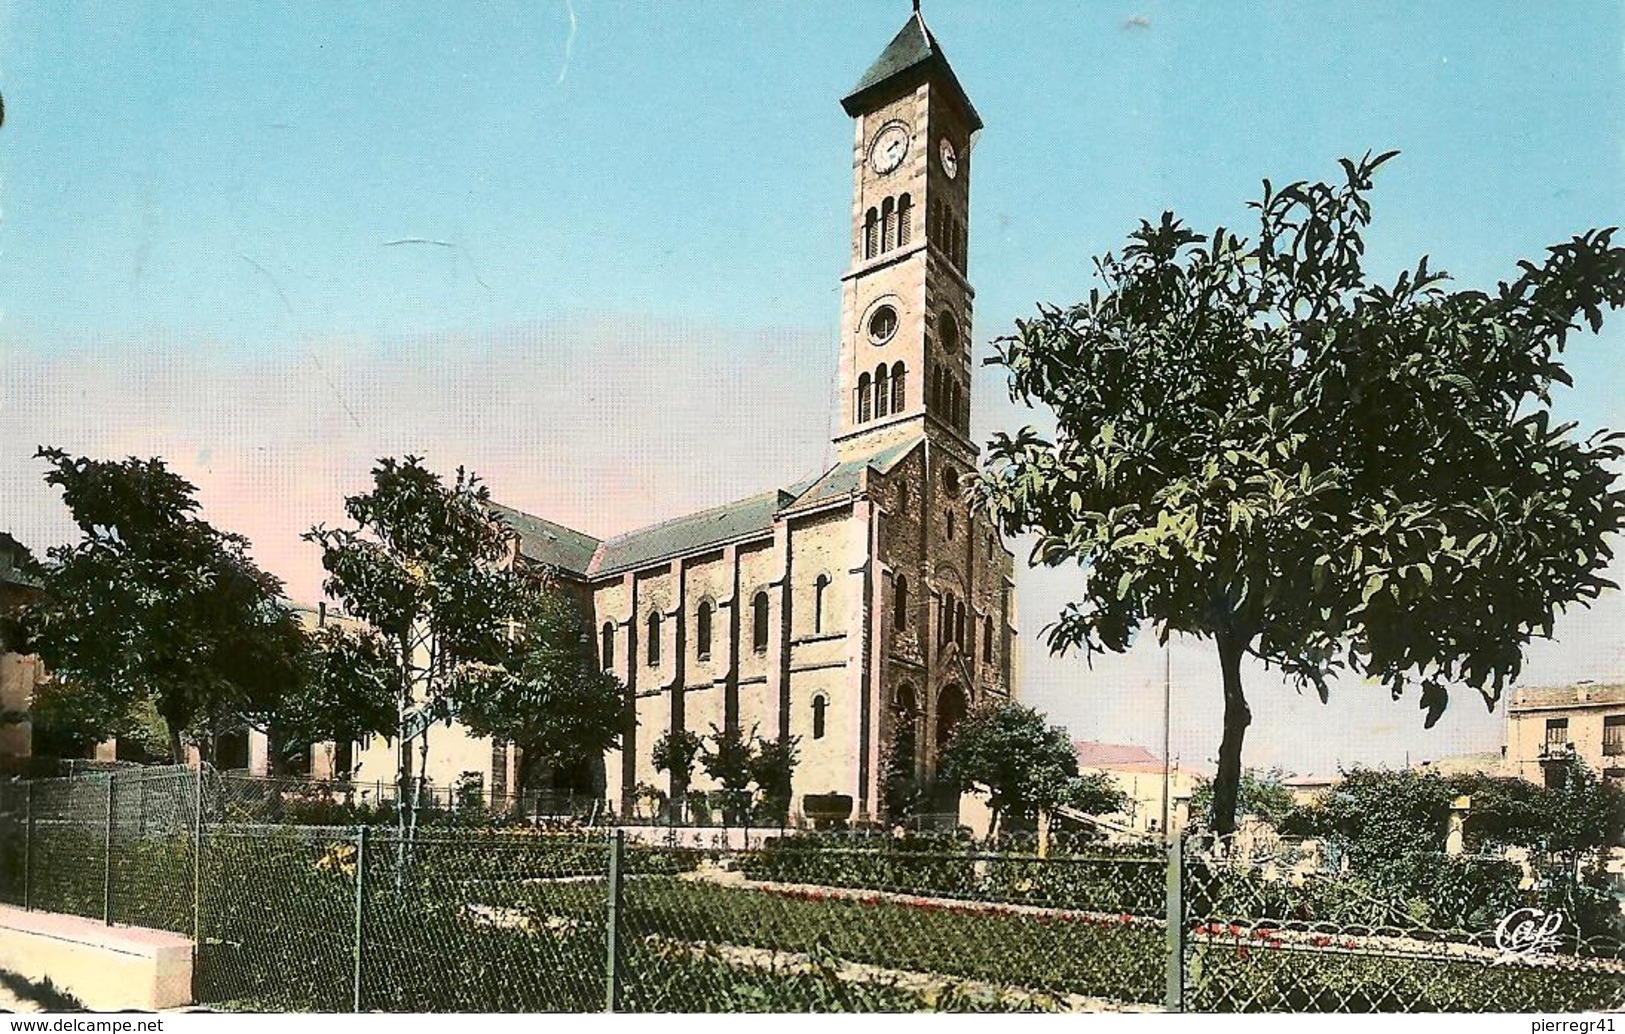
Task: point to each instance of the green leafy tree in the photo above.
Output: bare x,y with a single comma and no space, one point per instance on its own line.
425,566
772,766
726,757
346,691
1257,444
154,611
550,697
675,754
1261,794
1025,764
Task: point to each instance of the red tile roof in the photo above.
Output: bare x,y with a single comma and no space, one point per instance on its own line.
1115,755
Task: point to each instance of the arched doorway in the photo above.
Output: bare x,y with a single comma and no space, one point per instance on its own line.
901,773
951,709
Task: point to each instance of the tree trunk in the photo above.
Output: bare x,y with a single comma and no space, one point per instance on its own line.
1237,717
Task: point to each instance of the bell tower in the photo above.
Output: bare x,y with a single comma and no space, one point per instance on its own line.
906,298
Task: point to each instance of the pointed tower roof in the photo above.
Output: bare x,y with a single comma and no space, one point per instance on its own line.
913,55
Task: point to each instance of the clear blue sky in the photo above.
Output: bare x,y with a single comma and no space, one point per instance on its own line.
644,212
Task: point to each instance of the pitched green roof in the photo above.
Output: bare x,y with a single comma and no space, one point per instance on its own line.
544,542
693,532
586,557
912,54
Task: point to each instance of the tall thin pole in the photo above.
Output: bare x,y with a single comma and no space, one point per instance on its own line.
359,942
612,924
1167,725
28,846
107,857
197,866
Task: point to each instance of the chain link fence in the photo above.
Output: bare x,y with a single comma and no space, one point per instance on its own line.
303,916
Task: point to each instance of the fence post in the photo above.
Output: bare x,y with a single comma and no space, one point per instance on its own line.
107,856
360,942
28,846
1173,998
197,869
612,928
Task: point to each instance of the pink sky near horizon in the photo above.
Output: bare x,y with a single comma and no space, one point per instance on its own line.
609,424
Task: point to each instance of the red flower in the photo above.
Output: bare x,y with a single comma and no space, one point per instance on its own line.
1235,931
1125,919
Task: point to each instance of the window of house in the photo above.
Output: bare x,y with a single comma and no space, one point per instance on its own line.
882,389
863,399
654,638
702,630
819,706
606,645
758,622
950,524
1613,734
899,397
948,332
871,234
905,217
900,604
1557,732
987,639
959,627
818,602
888,225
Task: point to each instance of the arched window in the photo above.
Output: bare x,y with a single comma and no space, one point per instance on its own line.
702,630
654,638
899,611
882,390
888,225
948,332
953,403
606,645
863,399
899,397
987,639
758,623
959,240
950,525
936,391
905,217
871,234
959,626
819,587
819,706
945,620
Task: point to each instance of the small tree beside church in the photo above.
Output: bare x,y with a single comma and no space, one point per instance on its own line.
1026,765
423,565
549,697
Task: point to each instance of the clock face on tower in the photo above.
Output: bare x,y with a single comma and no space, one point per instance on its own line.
889,147
949,157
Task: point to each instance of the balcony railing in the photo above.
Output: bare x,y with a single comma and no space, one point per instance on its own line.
1554,750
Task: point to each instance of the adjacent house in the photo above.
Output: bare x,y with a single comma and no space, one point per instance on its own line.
1548,725
19,673
1139,774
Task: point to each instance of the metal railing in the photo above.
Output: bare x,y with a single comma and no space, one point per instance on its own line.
301,916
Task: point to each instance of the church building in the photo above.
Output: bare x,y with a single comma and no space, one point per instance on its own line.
865,611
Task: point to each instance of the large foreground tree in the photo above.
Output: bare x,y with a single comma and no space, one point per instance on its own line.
1259,445
154,610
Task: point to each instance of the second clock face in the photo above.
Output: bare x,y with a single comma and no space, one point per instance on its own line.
889,148
949,157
